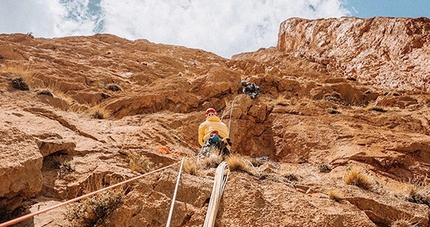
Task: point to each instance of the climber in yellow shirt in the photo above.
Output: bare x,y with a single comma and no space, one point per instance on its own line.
213,132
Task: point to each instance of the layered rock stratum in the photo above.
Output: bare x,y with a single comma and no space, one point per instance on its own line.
339,96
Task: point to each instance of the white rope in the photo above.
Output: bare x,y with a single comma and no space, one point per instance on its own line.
217,190
174,194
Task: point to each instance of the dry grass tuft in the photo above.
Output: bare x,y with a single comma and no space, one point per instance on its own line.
372,107
23,71
197,166
281,100
58,91
404,223
368,107
63,164
27,78
114,87
30,77
334,194
324,168
355,176
99,112
418,191
92,211
235,163
23,75
407,189
189,76
191,166
210,162
420,195
78,108
140,164
291,177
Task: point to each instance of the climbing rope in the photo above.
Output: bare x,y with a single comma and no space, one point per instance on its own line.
25,217
174,194
217,190
231,112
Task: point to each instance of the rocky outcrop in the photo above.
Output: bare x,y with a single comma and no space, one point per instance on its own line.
390,53
20,167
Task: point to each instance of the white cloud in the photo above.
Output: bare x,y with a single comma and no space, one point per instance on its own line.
224,27
36,16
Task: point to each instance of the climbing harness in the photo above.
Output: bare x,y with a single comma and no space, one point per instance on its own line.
174,194
217,190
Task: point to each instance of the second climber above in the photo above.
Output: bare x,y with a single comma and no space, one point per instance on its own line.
251,89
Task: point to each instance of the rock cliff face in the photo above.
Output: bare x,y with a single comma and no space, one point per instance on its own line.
390,53
343,118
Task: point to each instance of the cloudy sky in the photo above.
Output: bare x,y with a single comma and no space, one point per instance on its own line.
224,27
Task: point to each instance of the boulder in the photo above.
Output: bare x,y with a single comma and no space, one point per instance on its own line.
20,167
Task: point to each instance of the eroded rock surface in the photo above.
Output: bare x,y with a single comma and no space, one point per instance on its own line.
389,53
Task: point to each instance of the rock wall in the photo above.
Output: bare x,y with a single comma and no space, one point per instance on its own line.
101,109
19,167
390,53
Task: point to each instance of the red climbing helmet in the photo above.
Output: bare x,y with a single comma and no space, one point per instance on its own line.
214,132
211,110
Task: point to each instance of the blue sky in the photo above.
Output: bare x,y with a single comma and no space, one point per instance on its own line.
224,27
389,8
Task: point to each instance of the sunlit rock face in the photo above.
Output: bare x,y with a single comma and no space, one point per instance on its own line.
390,53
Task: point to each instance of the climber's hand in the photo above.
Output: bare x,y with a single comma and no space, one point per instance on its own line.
228,141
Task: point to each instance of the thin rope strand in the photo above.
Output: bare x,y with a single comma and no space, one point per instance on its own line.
174,194
25,217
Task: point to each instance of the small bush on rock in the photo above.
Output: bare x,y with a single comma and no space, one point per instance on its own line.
235,163
191,166
324,168
20,84
291,177
355,176
94,210
419,192
404,223
140,164
210,162
99,113
334,194
114,87
198,166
